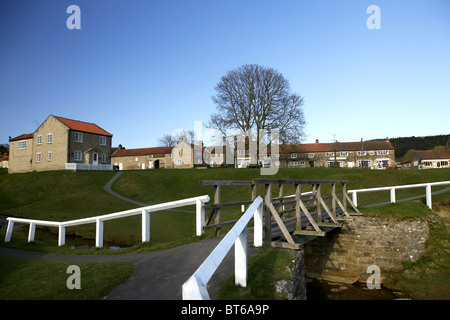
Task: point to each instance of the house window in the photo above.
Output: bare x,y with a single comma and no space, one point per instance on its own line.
77,156
38,157
179,161
294,163
22,144
372,153
78,137
103,158
302,162
427,163
364,164
49,156
103,141
39,139
241,152
361,153
344,153
310,155
136,159
382,152
331,164
330,154
293,155
442,164
49,138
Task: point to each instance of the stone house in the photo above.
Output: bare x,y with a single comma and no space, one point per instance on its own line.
366,154
427,159
60,143
4,161
187,155
143,158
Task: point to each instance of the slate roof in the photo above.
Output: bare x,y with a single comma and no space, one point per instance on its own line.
433,154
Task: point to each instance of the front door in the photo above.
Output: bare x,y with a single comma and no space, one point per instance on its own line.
95,158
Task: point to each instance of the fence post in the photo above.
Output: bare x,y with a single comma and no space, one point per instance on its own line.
9,231
31,232
267,200
240,259
62,236
428,195
145,226
200,217
393,195
258,226
99,233
355,198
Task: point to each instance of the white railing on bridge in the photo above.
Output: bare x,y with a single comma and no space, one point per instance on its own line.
393,188
195,288
98,220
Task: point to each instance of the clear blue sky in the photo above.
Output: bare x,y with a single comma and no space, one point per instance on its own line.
141,69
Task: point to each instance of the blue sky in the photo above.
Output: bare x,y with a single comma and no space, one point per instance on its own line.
141,69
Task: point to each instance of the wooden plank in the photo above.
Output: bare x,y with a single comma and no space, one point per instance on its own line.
309,233
225,183
352,204
221,224
285,245
228,204
308,215
280,223
295,181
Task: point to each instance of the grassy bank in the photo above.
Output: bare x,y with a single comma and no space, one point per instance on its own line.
23,279
67,195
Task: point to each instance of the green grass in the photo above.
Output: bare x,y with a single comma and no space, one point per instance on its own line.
265,268
24,279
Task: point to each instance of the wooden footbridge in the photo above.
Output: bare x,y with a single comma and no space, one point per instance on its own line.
293,220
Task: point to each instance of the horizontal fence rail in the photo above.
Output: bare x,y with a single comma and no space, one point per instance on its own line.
195,288
98,220
392,189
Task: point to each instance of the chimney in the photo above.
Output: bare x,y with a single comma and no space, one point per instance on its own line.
317,140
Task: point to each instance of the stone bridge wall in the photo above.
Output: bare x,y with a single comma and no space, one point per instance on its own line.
344,255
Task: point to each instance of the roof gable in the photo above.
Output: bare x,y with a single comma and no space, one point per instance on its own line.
84,126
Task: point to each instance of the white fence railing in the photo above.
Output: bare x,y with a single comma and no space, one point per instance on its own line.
98,220
393,188
88,167
195,288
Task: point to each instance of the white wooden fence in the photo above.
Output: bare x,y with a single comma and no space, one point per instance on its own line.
393,188
98,220
195,288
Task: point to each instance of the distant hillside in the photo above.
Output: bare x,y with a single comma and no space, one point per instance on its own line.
403,144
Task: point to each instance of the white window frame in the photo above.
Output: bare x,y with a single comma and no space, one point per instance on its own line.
382,152
38,157
102,141
78,136
49,138
310,155
294,163
427,163
39,139
103,158
293,156
49,158
361,153
179,162
22,145
77,156
343,153
330,154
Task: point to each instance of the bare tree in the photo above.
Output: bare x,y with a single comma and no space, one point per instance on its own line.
253,97
171,140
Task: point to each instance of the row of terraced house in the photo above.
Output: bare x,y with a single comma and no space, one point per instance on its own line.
61,143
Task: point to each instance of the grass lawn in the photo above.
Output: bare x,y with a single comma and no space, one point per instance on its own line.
24,279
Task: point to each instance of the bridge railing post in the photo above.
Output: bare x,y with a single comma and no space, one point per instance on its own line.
393,195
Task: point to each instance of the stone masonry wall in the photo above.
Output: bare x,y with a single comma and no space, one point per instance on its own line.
344,255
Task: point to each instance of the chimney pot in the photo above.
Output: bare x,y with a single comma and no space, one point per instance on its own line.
317,140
